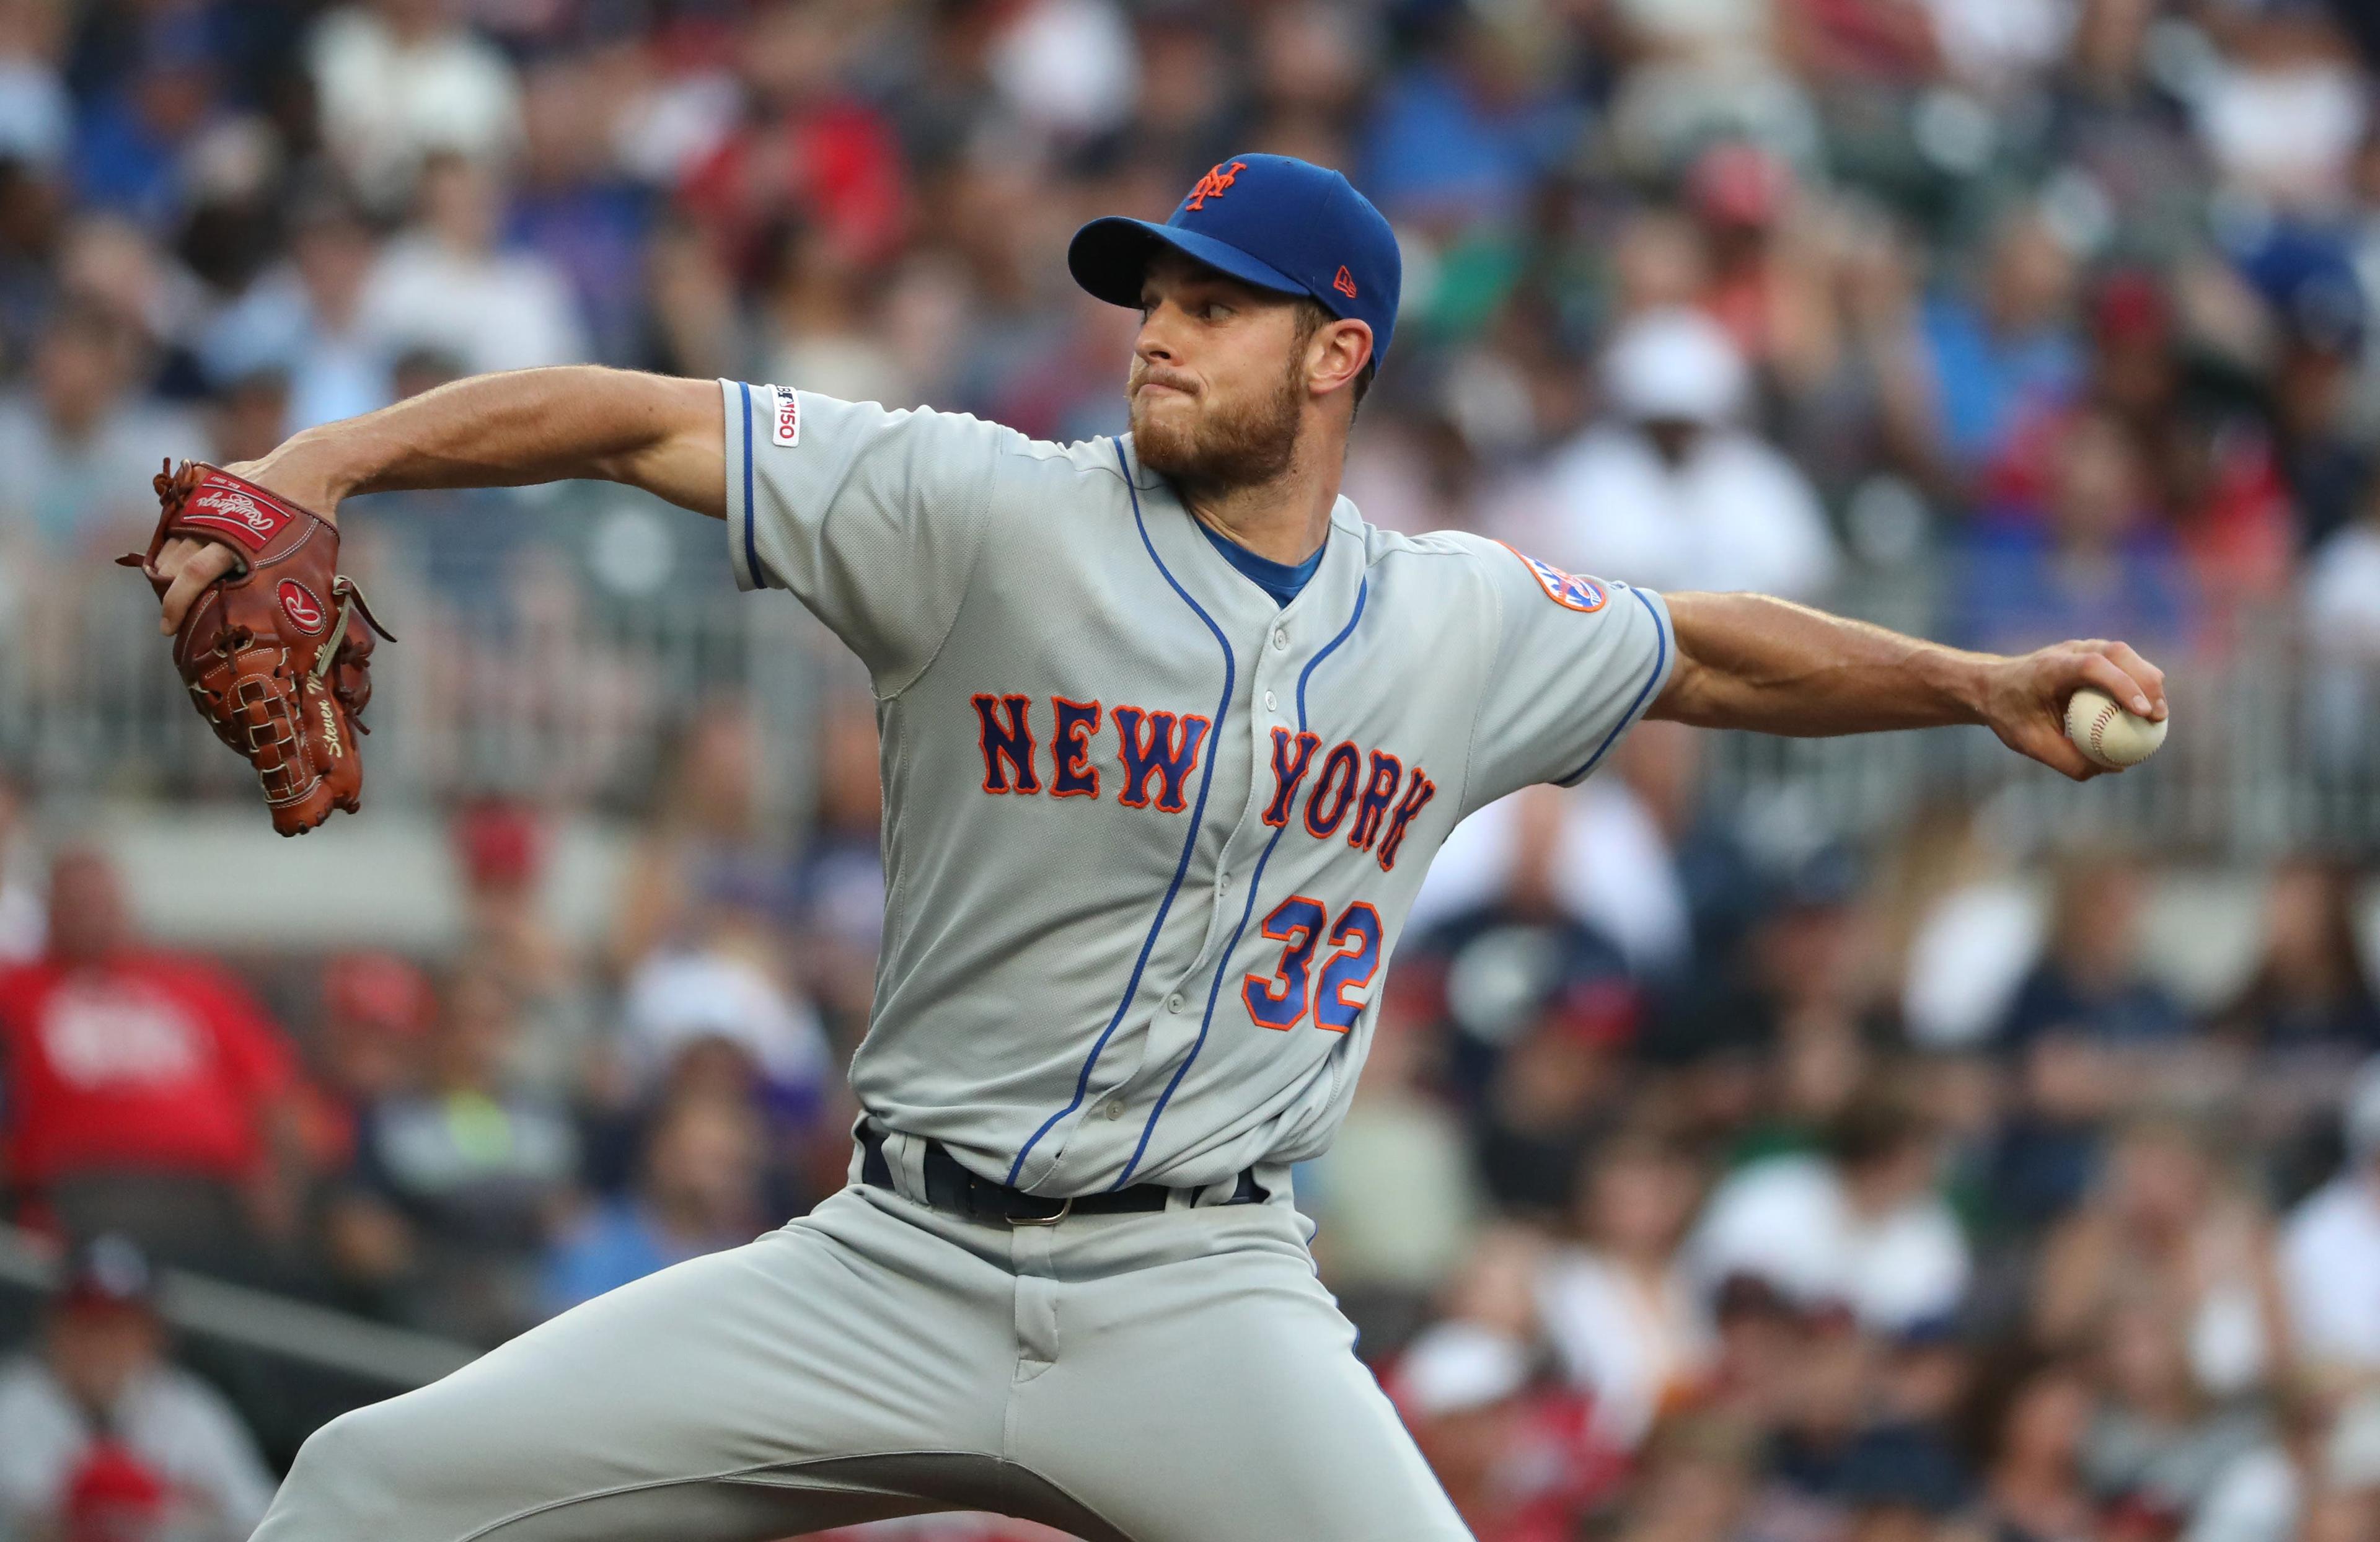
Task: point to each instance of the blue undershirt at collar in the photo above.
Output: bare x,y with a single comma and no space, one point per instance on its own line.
1279,580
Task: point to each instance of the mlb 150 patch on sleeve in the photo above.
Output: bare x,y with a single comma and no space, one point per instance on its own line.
1572,590
786,419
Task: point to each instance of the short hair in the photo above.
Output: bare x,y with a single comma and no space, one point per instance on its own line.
1311,314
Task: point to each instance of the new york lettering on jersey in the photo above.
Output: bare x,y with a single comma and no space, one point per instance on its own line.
1150,833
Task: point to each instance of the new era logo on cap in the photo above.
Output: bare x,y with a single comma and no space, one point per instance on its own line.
1344,282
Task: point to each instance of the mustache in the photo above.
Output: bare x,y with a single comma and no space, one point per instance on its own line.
1147,374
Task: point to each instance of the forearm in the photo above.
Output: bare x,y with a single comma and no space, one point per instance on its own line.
653,431
1747,661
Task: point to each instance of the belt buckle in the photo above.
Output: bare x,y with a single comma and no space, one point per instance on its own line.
1052,1219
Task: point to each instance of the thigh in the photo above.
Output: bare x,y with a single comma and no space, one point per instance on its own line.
732,1396
1218,1395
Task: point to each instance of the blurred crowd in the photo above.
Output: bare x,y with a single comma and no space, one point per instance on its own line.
1709,1183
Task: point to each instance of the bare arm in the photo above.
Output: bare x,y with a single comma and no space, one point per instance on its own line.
1746,661
663,434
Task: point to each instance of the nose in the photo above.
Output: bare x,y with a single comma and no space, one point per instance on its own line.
1154,342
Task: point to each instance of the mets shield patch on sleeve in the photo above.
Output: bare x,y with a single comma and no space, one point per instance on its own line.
1574,591
786,419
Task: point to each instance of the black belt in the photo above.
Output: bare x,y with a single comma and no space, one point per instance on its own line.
951,1186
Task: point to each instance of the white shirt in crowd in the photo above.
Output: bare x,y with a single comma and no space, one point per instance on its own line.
490,311
1628,1346
1734,515
168,1418
387,100
1612,870
2330,1270
1789,1221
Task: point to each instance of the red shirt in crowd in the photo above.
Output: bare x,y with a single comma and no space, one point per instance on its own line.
146,1061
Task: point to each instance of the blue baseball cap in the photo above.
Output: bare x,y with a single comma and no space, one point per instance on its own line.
1271,221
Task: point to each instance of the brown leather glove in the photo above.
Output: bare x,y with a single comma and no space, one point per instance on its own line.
277,653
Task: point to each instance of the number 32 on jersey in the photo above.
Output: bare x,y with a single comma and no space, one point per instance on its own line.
1298,923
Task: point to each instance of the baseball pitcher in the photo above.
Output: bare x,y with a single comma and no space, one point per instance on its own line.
1170,735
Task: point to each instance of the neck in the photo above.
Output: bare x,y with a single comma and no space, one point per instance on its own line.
1285,519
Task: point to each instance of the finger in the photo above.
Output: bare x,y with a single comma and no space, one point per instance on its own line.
202,568
2060,754
2097,669
2150,678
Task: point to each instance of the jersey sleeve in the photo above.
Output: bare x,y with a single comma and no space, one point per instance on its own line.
872,517
1576,662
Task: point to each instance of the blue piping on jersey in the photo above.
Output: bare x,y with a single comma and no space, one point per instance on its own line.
751,546
1189,842
1660,659
1256,882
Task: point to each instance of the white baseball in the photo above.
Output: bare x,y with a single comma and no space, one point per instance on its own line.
2107,734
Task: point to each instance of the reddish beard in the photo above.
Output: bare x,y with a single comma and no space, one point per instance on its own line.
1227,445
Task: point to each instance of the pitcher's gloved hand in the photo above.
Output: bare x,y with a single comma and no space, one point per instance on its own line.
277,651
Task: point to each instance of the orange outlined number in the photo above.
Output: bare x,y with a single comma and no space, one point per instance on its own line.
1281,1001
1357,939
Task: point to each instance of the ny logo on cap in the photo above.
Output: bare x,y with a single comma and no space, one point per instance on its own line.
1217,182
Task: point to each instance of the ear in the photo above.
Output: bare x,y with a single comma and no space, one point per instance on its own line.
1336,355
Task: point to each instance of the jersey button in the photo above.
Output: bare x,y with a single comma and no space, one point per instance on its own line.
1112,1109
1272,702
1281,637
1174,1002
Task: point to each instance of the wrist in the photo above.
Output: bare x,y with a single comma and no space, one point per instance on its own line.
319,466
1961,682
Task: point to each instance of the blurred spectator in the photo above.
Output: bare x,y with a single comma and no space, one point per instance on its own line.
36,114
22,922
1857,1225
808,146
687,1012
2030,1444
1396,1200
2305,1017
1622,852
502,849
367,1047
2285,108
1460,133
1512,1457
2092,565
2004,353
1617,1304
2162,1221
146,1092
2330,1250
2159,1445
1670,493
702,844
101,1425
445,284
699,1192
82,447
2082,1035
398,81
458,1185
304,318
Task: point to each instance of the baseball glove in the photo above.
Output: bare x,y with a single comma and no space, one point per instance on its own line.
277,653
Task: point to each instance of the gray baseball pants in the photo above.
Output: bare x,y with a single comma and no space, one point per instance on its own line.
1178,1375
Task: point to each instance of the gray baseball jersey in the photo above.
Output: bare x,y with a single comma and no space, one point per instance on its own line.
1149,836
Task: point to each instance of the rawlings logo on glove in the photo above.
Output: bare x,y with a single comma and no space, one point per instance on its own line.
277,676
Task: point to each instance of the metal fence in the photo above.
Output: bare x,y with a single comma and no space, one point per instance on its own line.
578,697
565,691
